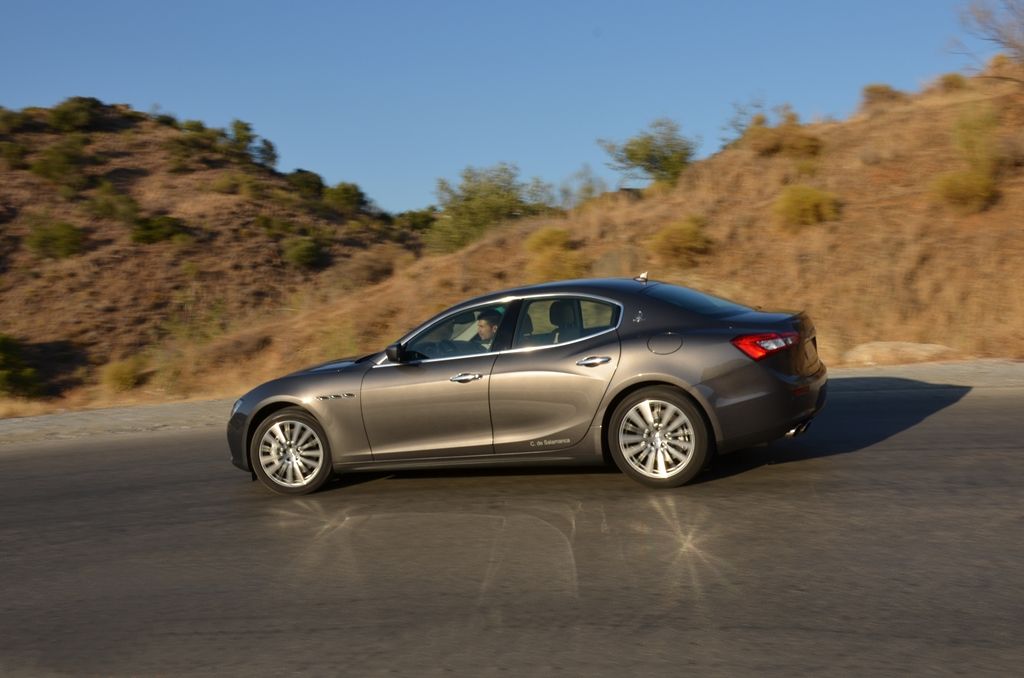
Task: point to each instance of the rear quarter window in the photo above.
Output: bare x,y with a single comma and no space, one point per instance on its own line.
694,301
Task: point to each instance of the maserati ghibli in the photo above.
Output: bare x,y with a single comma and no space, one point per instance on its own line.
653,377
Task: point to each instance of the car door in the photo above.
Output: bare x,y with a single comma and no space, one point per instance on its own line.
545,390
434,404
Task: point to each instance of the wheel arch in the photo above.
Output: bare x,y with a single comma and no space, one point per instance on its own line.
710,422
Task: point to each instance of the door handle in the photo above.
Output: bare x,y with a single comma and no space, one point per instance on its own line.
593,361
465,377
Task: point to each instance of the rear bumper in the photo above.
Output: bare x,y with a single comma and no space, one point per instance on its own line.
773,406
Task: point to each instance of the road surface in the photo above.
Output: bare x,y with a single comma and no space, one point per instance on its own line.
889,540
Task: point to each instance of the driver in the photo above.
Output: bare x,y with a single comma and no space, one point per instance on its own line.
487,327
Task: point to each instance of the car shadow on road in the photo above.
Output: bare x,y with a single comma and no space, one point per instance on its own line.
860,412
345,480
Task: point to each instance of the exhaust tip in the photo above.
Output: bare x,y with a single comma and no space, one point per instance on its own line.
799,429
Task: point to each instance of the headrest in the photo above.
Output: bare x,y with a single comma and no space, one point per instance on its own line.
561,314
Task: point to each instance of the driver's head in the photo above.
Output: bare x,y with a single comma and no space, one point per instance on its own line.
487,324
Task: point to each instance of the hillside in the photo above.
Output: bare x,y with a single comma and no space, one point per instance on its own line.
122,231
880,242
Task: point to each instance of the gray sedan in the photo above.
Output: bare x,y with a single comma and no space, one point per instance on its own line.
654,377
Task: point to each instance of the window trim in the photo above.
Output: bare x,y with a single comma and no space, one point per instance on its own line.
384,362
563,295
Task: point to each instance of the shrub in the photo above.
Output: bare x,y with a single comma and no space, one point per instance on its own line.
346,198
303,252
548,238
157,229
788,137
107,203
249,187
55,241
418,221
552,256
16,378
13,155
557,264
968,191
195,126
875,94
680,242
198,142
974,134
266,153
952,82
242,184
801,205
226,183
274,227
76,114
63,163
120,376
308,184
377,264
167,120
12,121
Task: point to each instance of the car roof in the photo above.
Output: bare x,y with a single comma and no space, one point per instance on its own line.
612,287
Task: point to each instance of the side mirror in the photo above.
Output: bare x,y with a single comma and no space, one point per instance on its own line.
395,353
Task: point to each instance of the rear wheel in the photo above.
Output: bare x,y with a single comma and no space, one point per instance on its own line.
658,437
289,452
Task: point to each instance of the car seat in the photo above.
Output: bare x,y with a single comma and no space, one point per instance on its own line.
562,315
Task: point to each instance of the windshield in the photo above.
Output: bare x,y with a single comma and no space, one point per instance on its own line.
692,300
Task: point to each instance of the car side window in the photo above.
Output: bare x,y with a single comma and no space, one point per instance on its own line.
546,322
468,333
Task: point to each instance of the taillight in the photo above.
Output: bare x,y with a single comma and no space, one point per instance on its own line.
759,346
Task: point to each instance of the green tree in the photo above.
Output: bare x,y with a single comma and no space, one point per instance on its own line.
661,153
581,187
309,185
484,197
419,221
242,138
266,154
76,114
346,198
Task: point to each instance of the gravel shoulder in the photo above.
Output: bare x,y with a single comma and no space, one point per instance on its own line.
979,375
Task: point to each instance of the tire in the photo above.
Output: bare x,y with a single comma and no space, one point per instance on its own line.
289,452
658,437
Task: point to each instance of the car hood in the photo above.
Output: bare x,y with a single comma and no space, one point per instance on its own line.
332,366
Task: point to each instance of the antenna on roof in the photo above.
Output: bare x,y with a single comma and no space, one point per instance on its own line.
642,278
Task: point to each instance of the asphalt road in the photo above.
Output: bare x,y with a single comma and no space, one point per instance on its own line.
886,541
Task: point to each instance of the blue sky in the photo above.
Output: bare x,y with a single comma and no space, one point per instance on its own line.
393,95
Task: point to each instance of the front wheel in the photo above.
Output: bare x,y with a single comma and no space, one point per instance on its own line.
289,452
658,437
